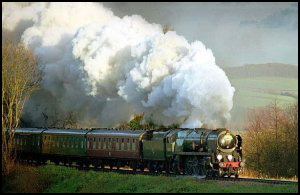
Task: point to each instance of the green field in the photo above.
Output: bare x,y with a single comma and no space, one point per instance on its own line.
261,91
258,92
52,178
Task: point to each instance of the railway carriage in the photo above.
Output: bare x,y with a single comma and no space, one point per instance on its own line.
65,145
114,148
28,143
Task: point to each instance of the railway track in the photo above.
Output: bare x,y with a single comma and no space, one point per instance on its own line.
268,181
129,171
199,178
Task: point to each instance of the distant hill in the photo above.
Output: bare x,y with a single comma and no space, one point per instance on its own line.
262,70
258,85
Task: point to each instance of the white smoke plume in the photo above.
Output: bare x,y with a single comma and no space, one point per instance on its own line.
105,69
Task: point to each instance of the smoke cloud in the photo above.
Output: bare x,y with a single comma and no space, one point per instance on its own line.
104,69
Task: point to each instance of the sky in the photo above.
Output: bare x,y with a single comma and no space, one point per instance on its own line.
237,32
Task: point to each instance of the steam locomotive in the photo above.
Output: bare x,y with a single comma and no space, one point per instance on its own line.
196,151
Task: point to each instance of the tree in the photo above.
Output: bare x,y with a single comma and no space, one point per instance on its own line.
271,141
20,77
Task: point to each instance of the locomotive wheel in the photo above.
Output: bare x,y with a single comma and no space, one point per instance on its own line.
174,168
192,166
159,167
167,167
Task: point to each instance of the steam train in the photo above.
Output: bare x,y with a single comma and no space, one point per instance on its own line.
196,151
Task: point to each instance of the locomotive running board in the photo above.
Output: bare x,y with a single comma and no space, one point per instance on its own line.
194,153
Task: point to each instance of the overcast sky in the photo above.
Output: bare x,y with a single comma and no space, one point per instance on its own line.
237,33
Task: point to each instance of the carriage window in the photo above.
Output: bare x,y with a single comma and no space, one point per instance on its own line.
108,139
122,140
94,144
133,140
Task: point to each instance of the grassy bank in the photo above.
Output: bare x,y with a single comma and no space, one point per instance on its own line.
62,179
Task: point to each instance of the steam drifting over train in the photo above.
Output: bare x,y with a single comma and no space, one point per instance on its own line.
104,68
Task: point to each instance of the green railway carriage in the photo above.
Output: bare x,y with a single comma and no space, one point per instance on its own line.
28,141
69,142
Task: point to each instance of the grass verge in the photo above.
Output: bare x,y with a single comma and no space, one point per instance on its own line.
52,178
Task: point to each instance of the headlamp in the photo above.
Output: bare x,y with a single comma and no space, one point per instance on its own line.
229,157
219,157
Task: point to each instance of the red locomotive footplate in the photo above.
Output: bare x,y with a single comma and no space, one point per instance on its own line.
231,164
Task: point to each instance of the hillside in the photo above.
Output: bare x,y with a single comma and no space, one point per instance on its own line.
262,70
260,84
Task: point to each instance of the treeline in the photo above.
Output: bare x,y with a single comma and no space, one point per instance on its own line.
271,141
138,123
